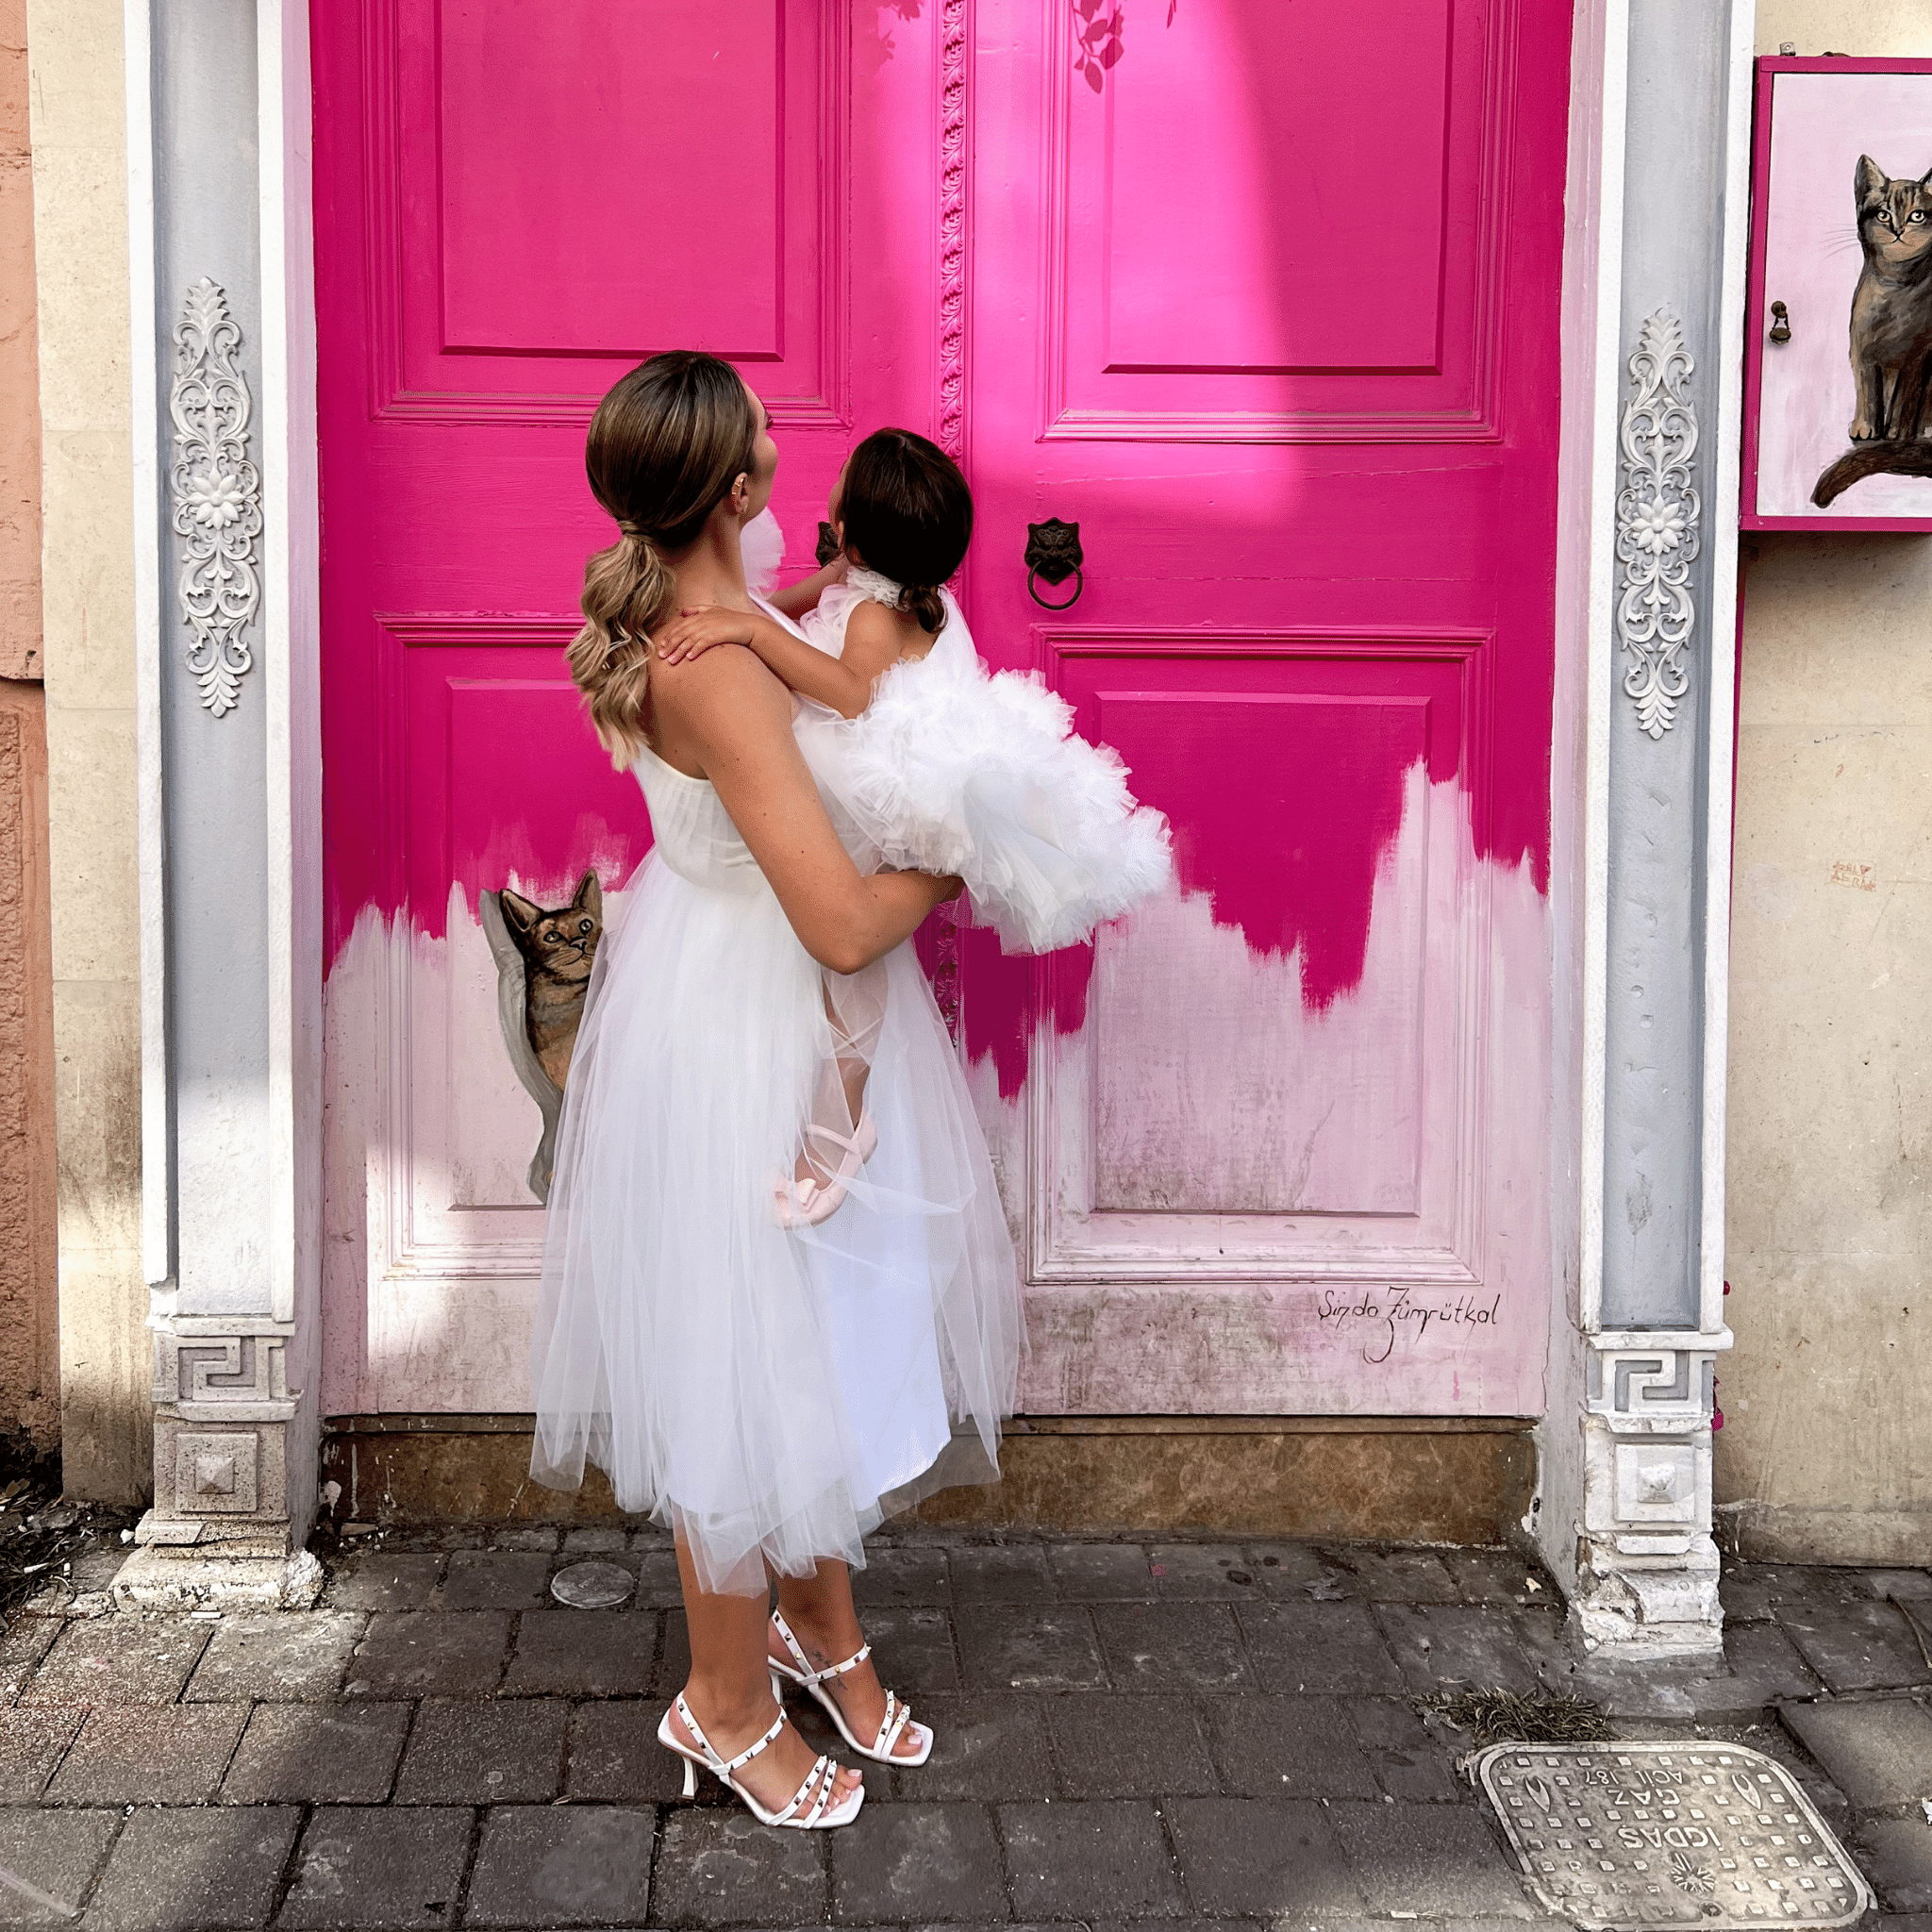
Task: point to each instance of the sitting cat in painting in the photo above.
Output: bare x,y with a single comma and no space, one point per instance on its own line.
1892,308
559,949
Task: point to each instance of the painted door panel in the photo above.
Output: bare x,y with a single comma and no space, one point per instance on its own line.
1266,299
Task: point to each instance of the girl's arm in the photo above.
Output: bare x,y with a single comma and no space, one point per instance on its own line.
733,717
844,683
794,600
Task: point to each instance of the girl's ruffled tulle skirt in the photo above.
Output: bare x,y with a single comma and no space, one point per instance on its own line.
772,1395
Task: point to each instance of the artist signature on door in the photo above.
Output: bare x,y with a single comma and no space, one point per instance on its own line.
1384,1317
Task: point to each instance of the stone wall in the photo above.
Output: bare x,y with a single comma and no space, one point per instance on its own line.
1827,1449
29,1360
78,119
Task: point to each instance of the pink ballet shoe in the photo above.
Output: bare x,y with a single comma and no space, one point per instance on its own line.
805,1203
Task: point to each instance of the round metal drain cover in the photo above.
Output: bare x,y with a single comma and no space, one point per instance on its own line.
591,1586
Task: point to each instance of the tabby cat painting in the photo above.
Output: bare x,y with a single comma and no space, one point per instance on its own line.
1840,365
543,961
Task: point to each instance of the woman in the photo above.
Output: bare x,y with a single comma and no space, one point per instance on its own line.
767,1386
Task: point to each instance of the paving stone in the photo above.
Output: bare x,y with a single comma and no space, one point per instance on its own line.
1317,1648
376,1868
1498,1577
1284,1747
1192,1572
711,1863
1398,1576
23,1644
1080,1860
595,1543
614,1756
283,1655
902,1577
1434,1860
989,1746
1263,1859
1762,1668
1004,1574
32,1742
1854,1645
913,1649
1457,1646
195,1871
1010,1647
1089,1573
465,1753
1299,1572
1895,1854
55,1852
658,1586
1184,1646
317,1753
1109,1746
1412,1763
529,1535
583,1653
131,1660
1906,1585
567,1865
385,1580
430,1654
907,1863
496,1581
135,1753
1878,1751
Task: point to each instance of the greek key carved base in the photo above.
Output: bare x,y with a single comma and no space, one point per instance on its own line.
1647,1566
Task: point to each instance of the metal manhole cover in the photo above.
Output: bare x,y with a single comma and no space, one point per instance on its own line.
591,1586
1625,1835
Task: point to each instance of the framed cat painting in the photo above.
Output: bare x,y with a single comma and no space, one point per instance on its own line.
1837,373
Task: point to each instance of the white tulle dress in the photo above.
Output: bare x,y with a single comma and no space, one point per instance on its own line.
953,770
770,1393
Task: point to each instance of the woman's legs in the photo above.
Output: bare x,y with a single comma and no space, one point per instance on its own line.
729,1690
819,1612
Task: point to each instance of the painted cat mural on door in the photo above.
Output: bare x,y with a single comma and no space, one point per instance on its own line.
543,961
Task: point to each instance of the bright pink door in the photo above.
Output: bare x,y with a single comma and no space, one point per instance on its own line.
1228,287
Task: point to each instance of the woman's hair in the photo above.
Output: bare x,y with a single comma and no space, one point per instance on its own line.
908,515
664,449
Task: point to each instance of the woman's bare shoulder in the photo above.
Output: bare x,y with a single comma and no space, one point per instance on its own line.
725,692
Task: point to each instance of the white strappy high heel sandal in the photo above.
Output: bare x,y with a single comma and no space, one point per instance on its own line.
891,1726
811,1807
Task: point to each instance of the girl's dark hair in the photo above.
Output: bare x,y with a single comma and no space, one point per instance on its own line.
908,515
664,449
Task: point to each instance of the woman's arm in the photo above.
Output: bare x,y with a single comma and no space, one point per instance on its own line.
734,717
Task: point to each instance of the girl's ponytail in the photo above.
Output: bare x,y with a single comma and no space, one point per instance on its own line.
921,603
625,590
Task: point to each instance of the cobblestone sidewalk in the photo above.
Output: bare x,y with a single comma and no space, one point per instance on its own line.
1189,1732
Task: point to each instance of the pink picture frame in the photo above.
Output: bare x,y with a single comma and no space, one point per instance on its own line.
1814,119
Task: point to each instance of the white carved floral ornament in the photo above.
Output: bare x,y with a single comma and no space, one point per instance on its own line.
1657,514
217,496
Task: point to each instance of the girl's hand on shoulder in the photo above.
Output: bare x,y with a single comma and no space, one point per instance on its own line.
698,626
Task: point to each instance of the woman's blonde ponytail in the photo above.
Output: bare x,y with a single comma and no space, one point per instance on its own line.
663,449
626,589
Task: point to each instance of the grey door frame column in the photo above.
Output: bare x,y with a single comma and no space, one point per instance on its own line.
230,791
1648,599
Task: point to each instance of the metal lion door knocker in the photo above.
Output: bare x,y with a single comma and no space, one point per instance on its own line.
1053,552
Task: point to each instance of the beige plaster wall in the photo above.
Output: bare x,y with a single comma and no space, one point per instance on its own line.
29,1358
80,241
1826,1452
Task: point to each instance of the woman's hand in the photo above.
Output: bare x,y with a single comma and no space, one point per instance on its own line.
698,626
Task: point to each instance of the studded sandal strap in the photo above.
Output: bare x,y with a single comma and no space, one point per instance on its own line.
792,1643
891,1726
751,1751
820,1775
851,1663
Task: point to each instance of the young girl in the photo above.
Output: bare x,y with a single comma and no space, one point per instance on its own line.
942,766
